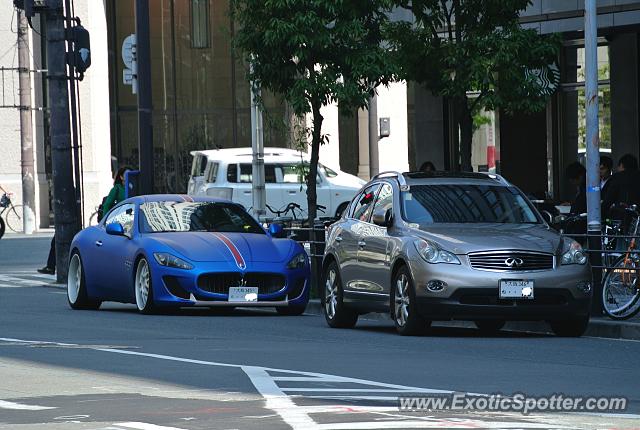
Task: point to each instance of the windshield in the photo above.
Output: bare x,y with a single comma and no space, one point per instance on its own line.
433,204
160,217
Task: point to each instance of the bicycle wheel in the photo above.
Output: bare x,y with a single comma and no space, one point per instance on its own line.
621,289
2,227
14,218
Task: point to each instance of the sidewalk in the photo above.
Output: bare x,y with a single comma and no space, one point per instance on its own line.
598,326
43,232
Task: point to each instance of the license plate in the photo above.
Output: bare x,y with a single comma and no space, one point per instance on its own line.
243,294
516,289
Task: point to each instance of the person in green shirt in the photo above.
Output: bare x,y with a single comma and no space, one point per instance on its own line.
116,195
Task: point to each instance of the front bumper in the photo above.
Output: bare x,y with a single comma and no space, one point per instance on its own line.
180,288
472,294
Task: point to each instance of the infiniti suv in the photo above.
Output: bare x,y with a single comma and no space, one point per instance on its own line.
441,246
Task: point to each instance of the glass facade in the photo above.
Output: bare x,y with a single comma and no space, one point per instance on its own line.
200,93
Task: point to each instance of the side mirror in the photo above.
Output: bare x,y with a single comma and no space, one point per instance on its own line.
276,230
115,229
382,218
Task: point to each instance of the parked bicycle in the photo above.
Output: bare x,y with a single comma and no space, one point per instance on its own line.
12,213
621,287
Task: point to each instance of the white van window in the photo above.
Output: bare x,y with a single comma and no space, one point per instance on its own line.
198,165
327,171
213,173
246,173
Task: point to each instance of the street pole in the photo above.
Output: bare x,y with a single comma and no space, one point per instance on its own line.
26,128
64,195
145,125
258,190
593,150
374,163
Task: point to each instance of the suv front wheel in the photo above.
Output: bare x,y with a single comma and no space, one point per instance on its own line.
404,311
335,312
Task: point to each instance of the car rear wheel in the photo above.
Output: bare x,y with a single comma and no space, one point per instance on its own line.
489,326
76,286
574,327
335,311
405,315
143,288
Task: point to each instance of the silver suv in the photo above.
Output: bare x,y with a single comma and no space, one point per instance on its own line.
440,246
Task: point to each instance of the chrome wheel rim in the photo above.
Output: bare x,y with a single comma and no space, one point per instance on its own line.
401,298
331,294
142,284
74,278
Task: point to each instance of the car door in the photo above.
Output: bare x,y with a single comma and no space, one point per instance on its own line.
373,250
350,237
114,253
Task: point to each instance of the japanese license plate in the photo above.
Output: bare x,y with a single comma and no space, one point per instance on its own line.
516,289
243,294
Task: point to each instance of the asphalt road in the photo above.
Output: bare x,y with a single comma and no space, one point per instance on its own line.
199,369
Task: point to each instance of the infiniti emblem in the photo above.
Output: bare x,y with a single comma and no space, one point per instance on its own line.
513,262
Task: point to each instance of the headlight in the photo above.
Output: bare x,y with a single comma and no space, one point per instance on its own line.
297,262
166,259
432,254
573,253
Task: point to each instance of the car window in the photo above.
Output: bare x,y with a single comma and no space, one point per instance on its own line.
327,171
124,215
212,173
294,173
246,173
428,204
199,165
363,203
384,200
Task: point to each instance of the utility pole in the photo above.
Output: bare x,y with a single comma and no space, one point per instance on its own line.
374,158
593,147
26,128
258,189
145,125
64,196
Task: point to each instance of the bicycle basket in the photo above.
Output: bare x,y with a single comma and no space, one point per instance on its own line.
4,201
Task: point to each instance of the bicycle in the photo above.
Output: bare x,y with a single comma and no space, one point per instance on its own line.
621,287
12,218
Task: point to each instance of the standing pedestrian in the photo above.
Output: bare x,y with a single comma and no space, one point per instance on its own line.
50,268
117,193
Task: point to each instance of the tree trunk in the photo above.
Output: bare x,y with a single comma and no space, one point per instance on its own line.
465,122
313,167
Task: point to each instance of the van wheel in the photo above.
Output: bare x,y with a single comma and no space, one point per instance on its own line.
341,209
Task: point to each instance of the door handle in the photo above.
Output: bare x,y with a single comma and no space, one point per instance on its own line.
292,192
98,243
247,192
362,243
338,238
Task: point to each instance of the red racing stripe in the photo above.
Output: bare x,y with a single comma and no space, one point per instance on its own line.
233,249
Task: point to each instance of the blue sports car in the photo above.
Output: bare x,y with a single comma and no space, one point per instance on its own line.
162,251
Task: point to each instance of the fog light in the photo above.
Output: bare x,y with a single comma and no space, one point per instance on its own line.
584,287
436,286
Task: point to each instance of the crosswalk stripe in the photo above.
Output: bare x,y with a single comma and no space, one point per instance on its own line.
4,404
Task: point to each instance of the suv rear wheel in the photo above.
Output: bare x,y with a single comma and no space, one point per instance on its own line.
574,327
404,311
335,312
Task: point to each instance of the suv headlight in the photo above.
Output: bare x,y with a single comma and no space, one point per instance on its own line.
168,260
573,253
432,254
297,262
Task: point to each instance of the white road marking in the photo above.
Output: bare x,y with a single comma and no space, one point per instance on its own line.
145,426
351,390
4,404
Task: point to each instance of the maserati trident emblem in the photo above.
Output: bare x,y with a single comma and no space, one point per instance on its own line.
242,282
513,262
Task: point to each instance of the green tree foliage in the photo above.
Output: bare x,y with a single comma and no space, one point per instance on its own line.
315,52
455,47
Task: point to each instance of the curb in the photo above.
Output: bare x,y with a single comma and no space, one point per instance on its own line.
598,327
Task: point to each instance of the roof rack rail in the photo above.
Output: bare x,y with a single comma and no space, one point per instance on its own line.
392,174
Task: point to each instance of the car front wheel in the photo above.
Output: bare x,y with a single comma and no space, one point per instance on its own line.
405,315
335,311
143,288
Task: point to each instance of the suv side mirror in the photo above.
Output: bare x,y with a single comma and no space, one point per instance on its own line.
383,218
115,229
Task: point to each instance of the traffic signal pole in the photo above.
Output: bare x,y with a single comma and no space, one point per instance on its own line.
64,195
145,125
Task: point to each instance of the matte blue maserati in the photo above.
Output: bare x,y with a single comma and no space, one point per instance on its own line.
162,251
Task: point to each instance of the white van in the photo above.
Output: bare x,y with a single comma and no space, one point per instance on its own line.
228,173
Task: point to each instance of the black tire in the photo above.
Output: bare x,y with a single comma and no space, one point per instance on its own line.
411,324
336,313
291,311
574,327
489,326
341,209
76,286
144,304
2,227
